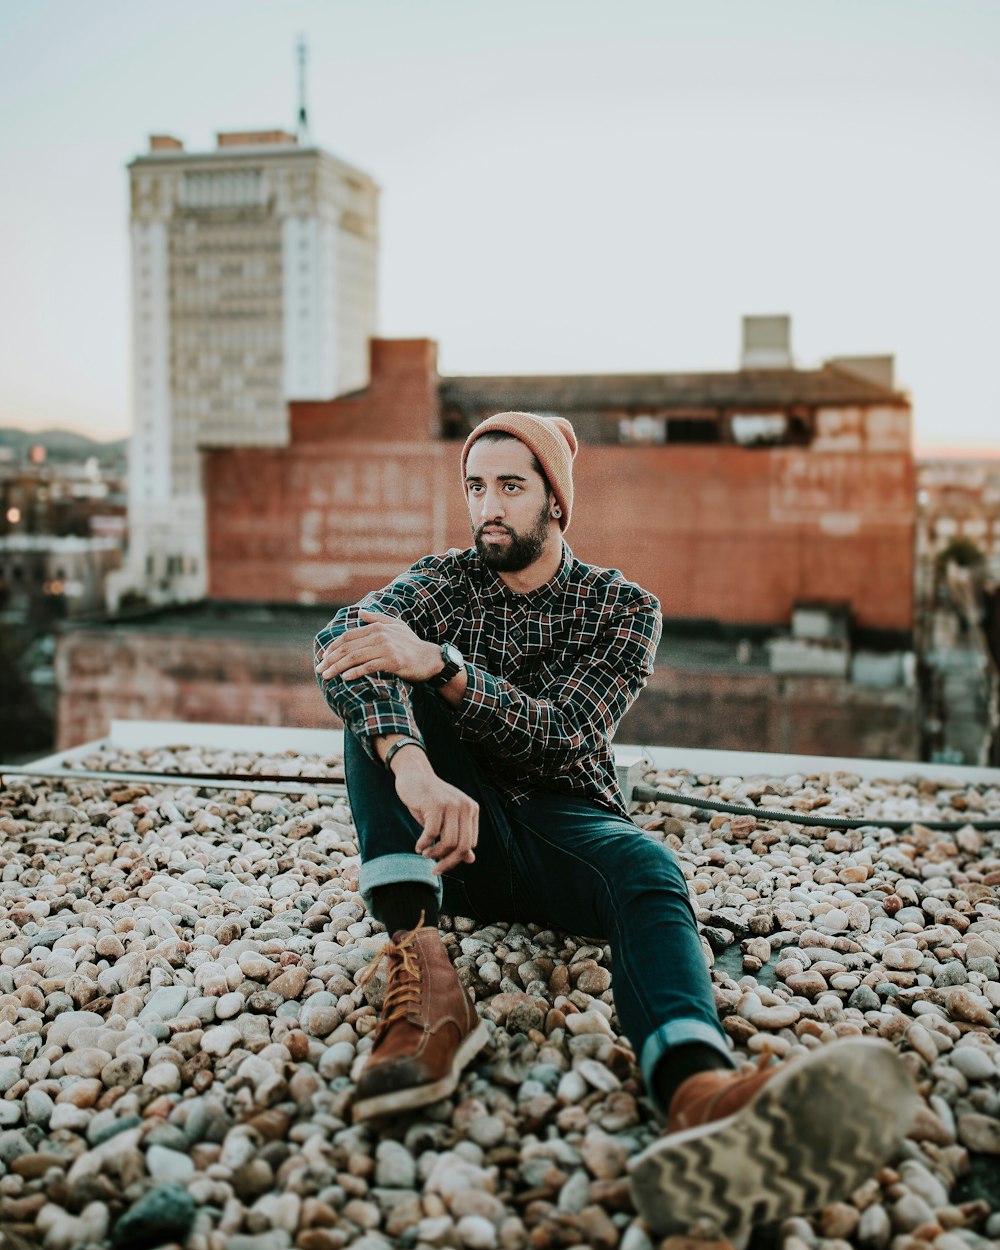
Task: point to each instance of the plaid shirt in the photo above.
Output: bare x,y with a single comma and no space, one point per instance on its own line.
550,673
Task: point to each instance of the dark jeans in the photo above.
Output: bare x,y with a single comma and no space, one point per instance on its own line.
556,861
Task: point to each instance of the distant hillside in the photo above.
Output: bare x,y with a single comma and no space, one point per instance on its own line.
62,446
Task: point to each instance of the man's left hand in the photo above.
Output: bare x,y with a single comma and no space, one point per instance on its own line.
383,645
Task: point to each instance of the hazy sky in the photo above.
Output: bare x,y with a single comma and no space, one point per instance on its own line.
574,186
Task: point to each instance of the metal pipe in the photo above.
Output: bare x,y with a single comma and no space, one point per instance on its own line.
266,784
649,794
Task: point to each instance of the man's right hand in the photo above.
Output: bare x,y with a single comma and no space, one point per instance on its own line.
449,818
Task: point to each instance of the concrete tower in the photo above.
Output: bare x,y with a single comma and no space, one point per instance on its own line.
253,283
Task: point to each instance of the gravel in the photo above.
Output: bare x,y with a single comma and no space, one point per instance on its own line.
181,1025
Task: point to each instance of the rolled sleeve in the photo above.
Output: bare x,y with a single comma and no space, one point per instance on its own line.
476,715
377,718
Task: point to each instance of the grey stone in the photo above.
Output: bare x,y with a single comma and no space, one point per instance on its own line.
98,1132
273,1239
874,1227
164,1214
10,1113
973,1063
13,1144
864,998
575,1194
166,1166
38,1107
165,1003
395,1167
207,1120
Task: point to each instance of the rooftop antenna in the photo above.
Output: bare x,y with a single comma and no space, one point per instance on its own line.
302,123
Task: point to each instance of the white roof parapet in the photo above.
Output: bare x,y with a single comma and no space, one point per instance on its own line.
630,760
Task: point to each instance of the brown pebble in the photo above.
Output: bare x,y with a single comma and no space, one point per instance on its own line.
613,1195
598,1229
273,1125
739,1030
297,1044
321,1239
693,1243
317,1214
82,1093
159,1108
252,1180
33,1166
559,980
14,1210
204,1154
289,984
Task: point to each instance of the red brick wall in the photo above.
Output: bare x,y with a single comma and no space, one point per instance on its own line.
716,532
150,675
761,711
146,675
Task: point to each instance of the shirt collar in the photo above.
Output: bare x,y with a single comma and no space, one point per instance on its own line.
496,590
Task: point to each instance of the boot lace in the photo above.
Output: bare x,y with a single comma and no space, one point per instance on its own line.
403,988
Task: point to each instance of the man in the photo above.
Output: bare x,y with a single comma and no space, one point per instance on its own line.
479,692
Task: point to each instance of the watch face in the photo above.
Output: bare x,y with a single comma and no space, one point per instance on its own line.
452,654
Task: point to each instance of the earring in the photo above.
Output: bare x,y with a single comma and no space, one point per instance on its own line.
557,512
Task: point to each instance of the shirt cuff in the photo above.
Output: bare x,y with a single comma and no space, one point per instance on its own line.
379,718
476,715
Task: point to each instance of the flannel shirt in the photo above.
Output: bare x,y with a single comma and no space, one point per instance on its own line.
550,673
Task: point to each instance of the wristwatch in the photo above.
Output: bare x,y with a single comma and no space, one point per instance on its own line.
453,661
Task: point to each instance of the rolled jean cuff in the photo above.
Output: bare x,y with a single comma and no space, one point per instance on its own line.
389,869
677,1033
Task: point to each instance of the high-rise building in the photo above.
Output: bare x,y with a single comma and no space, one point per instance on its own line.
253,283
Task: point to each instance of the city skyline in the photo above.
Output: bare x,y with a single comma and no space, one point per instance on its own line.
561,192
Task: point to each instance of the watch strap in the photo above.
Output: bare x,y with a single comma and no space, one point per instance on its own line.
451,667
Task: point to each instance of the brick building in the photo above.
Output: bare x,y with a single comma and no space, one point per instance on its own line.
733,497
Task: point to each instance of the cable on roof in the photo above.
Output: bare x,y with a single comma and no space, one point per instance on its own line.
640,794
649,794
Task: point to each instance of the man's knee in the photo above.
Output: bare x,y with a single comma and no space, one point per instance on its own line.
643,864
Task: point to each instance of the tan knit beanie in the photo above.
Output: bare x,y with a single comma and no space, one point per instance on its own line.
553,443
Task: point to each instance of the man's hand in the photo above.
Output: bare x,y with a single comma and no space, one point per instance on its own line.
382,645
450,819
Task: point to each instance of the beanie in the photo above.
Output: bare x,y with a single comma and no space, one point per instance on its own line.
553,443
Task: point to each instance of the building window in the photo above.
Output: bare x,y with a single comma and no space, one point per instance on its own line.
642,430
759,429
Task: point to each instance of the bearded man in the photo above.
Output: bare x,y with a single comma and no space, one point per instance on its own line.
479,692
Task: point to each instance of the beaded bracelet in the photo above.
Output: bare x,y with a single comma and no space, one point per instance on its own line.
398,745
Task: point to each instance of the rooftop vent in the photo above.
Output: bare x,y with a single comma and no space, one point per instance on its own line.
877,369
254,138
767,343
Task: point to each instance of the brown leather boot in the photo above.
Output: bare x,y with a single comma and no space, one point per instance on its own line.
428,1031
748,1148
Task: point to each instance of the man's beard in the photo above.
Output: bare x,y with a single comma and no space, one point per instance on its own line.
522,550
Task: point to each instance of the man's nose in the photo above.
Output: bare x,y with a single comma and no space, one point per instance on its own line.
492,505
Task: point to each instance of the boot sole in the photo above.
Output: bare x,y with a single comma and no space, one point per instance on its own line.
810,1136
400,1100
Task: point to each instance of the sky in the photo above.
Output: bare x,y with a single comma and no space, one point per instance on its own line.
565,186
